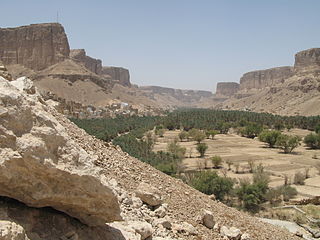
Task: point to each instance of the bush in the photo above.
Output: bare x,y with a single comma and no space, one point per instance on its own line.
251,195
251,130
312,140
198,136
160,132
209,183
216,161
299,178
269,137
202,148
183,135
288,143
288,192
274,196
317,129
176,149
211,133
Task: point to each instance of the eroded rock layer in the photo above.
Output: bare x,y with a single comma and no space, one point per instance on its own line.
307,60
227,88
119,74
94,65
265,78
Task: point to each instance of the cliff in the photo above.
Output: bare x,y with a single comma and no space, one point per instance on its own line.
265,78
36,46
227,88
117,73
307,60
92,64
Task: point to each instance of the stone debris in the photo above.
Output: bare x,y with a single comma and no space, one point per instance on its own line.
231,233
148,194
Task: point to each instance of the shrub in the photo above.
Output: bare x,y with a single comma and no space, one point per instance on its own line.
174,148
160,132
209,183
229,163
299,178
288,143
288,192
312,140
273,196
317,129
202,148
199,136
211,133
251,195
216,161
269,137
251,130
183,135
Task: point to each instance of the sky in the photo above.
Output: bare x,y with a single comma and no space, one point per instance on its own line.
188,44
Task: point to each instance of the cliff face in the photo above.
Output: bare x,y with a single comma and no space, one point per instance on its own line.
94,65
36,46
265,78
307,60
227,88
117,73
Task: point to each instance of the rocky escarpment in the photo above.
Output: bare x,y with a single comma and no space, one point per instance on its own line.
227,88
307,60
119,74
94,65
36,46
265,78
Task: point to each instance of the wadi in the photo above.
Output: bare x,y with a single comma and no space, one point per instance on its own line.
85,153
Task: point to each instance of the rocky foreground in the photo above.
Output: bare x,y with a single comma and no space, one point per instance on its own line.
57,182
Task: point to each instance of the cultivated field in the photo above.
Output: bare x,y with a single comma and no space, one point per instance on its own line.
240,150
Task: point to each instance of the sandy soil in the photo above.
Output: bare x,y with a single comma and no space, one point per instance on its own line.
239,150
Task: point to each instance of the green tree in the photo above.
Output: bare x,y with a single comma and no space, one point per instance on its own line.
211,133
209,183
312,140
317,129
269,137
216,161
202,148
183,135
251,130
288,143
197,135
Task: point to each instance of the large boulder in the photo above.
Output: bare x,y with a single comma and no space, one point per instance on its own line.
40,165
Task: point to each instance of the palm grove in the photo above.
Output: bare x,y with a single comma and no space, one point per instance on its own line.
137,136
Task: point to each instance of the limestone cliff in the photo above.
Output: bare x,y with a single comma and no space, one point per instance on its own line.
94,65
265,78
227,88
36,46
119,74
307,60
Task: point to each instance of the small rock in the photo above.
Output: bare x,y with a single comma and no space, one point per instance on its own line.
163,222
136,202
231,233
143,228
245,236
207,219
161,211
11,231
148,194
185,228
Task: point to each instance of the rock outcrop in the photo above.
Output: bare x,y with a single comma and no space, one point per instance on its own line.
36,46
119,74
265,78
41,166
307,60
92,64
227,88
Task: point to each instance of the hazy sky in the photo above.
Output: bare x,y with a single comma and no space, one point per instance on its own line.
190,44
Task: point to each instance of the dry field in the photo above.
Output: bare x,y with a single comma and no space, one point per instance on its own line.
239,150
